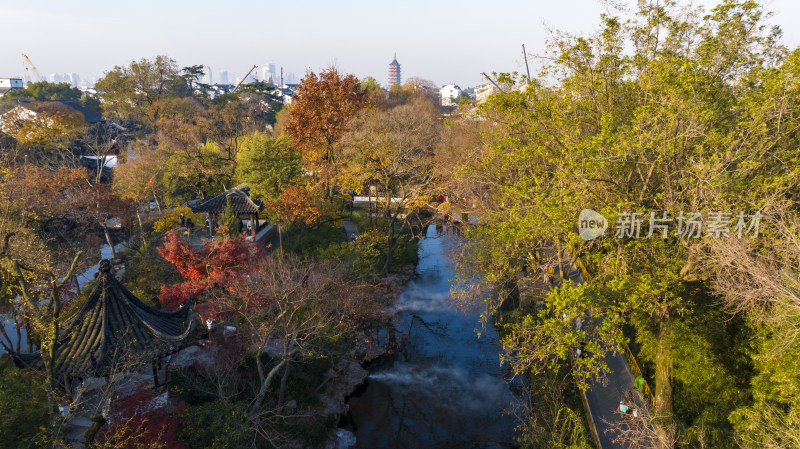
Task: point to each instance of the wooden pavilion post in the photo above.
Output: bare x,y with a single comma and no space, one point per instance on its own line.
155,375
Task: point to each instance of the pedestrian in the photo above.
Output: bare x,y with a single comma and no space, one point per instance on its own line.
578,323
189,225
183,220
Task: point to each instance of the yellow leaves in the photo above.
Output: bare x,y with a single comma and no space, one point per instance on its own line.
172,218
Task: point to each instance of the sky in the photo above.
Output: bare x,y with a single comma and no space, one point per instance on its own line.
440,40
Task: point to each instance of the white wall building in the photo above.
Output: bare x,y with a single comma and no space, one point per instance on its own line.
7,84
449,94
483,92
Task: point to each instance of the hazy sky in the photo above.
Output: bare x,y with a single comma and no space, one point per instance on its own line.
444,41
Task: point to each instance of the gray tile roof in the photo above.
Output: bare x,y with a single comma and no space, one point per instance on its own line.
113,331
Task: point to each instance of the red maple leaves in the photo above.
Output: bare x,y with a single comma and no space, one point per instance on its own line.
214,265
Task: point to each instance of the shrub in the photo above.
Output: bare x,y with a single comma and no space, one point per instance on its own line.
216,425
146,271
24,402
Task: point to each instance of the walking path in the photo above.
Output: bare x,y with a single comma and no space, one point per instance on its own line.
350,229
603,398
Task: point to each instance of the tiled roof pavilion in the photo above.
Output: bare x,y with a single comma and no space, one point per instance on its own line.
240,202
114,330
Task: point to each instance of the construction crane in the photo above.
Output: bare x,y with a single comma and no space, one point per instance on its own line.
492,81
245,77
33,68
527,69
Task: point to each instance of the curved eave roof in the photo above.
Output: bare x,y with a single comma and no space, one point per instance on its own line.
115,331
239,200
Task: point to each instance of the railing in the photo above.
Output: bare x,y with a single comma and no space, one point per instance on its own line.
638,372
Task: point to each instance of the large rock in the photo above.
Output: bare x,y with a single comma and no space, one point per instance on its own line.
345,439
352,375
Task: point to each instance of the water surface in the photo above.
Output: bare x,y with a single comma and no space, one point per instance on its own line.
445,387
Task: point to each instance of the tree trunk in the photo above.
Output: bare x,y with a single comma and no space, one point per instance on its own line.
8,339
391,242
158,204
663,374
283,382
560,261
108,240
139,217
28,341
280,238
262,392
92,431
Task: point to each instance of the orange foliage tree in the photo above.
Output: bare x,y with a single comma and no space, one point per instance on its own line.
323,107
295,205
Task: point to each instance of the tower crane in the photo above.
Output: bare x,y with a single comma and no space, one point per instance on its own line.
33,68
245,77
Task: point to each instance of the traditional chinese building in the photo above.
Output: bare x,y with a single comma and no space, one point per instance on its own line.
394,72
238,199
113,332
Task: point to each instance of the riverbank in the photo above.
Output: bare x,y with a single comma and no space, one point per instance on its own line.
443,387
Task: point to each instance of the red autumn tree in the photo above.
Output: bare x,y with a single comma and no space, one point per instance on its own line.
204,269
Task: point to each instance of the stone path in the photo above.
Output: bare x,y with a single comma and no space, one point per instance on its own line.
350,229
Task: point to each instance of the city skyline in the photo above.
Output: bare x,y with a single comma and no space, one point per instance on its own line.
210,76
445,42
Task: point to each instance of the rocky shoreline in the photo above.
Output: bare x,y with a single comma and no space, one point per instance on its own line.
353,375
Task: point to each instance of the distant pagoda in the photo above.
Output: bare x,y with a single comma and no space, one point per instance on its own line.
394,72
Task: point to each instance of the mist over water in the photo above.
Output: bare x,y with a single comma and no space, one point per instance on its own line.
444,388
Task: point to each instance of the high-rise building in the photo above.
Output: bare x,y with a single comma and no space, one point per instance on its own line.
75,79
208,78
273,71
394,72
223,78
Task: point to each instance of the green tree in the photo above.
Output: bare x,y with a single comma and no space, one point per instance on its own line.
268,165
667,112
43,91
134,92
24,406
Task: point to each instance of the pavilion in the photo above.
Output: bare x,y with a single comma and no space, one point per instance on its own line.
114,332
240,205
